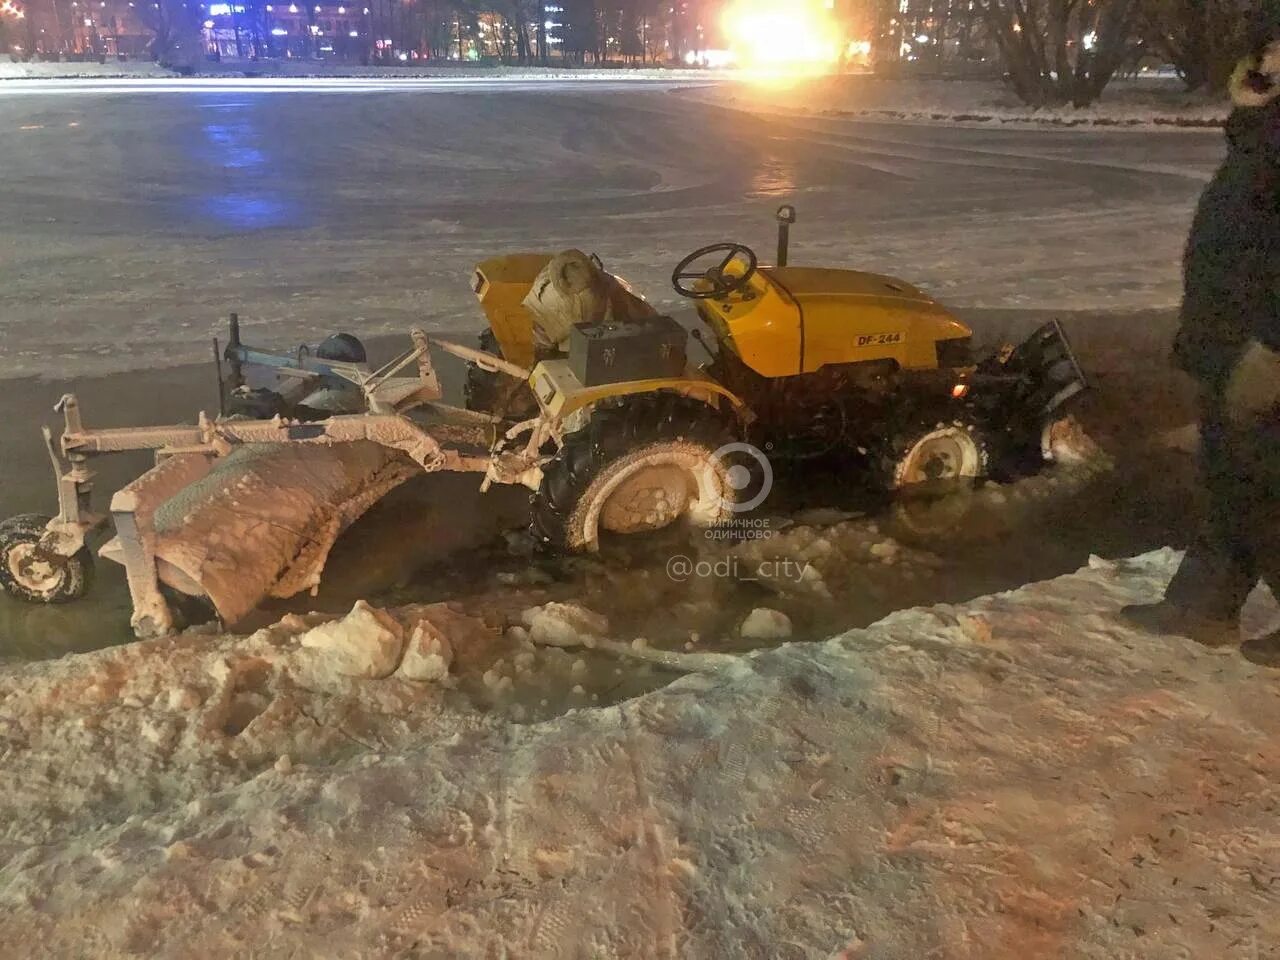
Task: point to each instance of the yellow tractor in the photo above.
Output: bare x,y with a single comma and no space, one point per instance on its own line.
587,396
800,362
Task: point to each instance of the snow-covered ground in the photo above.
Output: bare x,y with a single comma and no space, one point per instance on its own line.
1148,99
1019,776
142,69
112,69
1145,101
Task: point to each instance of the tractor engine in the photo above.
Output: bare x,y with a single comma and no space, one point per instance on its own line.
838,407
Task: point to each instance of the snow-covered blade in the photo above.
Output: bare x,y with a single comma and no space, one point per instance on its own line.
239,510
262,521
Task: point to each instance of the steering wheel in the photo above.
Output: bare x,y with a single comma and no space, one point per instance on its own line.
692,283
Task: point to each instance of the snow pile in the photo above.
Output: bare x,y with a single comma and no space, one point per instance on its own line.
1020,776
365,643
428,654
1140,102
133,69
122,730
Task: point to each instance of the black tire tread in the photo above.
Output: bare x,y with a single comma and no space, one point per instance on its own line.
612,433
901,441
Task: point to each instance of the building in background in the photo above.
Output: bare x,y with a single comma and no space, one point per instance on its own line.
255,31
930,32
79,28
711,33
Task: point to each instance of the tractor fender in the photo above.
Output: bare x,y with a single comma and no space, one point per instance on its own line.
706,391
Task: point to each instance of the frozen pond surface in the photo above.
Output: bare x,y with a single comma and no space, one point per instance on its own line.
137,216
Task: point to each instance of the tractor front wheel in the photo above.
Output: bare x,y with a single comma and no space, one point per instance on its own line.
937,454
932,470
635,468
32,572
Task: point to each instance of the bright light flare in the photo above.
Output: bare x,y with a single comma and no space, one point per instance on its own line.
783,35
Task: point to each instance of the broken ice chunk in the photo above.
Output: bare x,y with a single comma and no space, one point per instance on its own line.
765,624
564,625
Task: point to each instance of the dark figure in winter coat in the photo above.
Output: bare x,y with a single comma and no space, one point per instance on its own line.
1230,342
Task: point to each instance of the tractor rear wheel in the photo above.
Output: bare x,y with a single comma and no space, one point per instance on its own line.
496,393
638,467
31,572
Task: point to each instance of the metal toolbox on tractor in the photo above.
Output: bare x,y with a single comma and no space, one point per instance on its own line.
650,349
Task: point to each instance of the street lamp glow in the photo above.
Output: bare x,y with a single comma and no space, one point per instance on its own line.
782,34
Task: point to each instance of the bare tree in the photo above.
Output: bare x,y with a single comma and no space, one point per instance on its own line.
1201,38
631,31
514,34
1062,51
518,22
544,46
578,30
176,26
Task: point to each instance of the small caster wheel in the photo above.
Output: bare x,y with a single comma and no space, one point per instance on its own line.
31,572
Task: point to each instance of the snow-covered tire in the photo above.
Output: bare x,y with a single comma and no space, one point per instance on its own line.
29,572
933,453
497,393
1065,441
635,468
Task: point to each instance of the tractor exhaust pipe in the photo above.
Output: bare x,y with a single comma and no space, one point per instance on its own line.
786,217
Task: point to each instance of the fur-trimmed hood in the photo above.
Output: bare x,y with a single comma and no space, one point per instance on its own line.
1256,82
1254,126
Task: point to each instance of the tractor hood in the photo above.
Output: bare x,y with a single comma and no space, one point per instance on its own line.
848,316
796,320
856,290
